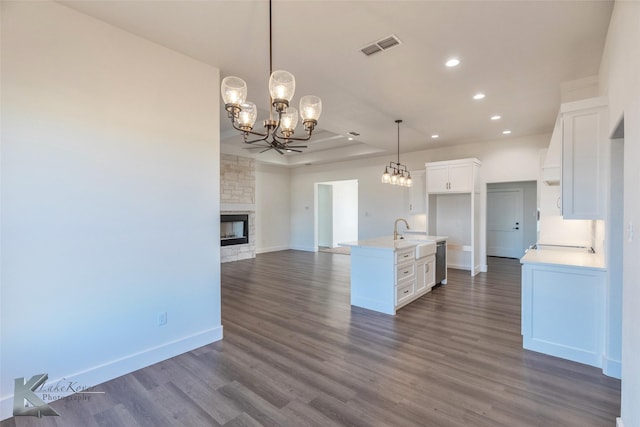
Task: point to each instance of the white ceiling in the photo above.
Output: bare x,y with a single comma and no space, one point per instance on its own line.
517,52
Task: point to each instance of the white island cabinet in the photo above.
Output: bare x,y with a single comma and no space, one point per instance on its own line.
563,304
388,274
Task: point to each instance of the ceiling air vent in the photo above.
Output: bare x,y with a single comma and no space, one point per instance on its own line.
380,45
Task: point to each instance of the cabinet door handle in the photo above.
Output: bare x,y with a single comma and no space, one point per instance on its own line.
406,272
407,291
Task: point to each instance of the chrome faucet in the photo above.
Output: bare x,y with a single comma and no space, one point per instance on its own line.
395,227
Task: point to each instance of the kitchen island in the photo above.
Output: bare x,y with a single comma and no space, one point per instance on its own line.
564,304
387,274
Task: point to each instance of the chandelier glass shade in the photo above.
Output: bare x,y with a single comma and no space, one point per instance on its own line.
283,119
396,173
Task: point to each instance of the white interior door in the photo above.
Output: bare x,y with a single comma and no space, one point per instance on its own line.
504,223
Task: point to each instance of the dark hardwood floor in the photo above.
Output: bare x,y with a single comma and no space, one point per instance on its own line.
295,353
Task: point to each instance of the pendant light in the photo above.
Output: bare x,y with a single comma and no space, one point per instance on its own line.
280,126
397,173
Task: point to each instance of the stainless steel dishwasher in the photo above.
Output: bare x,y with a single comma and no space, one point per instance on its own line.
441,263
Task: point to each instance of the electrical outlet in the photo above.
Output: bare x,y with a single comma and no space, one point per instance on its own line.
162,319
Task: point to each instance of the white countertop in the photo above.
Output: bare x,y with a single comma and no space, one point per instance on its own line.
387,242
564,257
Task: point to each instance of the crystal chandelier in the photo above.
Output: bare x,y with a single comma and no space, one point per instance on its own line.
283,119
399,173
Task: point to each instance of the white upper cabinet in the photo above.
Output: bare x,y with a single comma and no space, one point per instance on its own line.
584,158
437,179
455,176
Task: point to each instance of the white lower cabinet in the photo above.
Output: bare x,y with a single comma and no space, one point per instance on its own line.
405,278
563,312
425,274
404,293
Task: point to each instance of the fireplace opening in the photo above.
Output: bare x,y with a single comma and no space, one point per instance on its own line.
234,230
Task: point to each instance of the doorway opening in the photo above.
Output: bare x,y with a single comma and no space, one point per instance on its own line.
511,218
615,236
336,215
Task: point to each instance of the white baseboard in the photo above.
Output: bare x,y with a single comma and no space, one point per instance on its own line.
459,267
271,249
619,422
612,368
115,368
303,248
484,268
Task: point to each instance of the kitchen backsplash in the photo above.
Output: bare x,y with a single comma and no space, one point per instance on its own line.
559,231
554,229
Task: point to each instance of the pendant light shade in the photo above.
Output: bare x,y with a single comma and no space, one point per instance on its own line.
248,115
233,90
282,86
310,107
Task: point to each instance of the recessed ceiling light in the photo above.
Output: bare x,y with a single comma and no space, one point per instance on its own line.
478,95
435,136
496,117
506,132
452,62
350,138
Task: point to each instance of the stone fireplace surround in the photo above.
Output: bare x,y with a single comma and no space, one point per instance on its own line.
237,196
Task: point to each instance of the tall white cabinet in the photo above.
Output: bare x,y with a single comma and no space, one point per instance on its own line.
453,210
417,203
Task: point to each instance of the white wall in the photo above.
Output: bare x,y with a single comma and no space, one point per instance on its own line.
614,261
503,160
620,81
272,208
110,199
325,215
